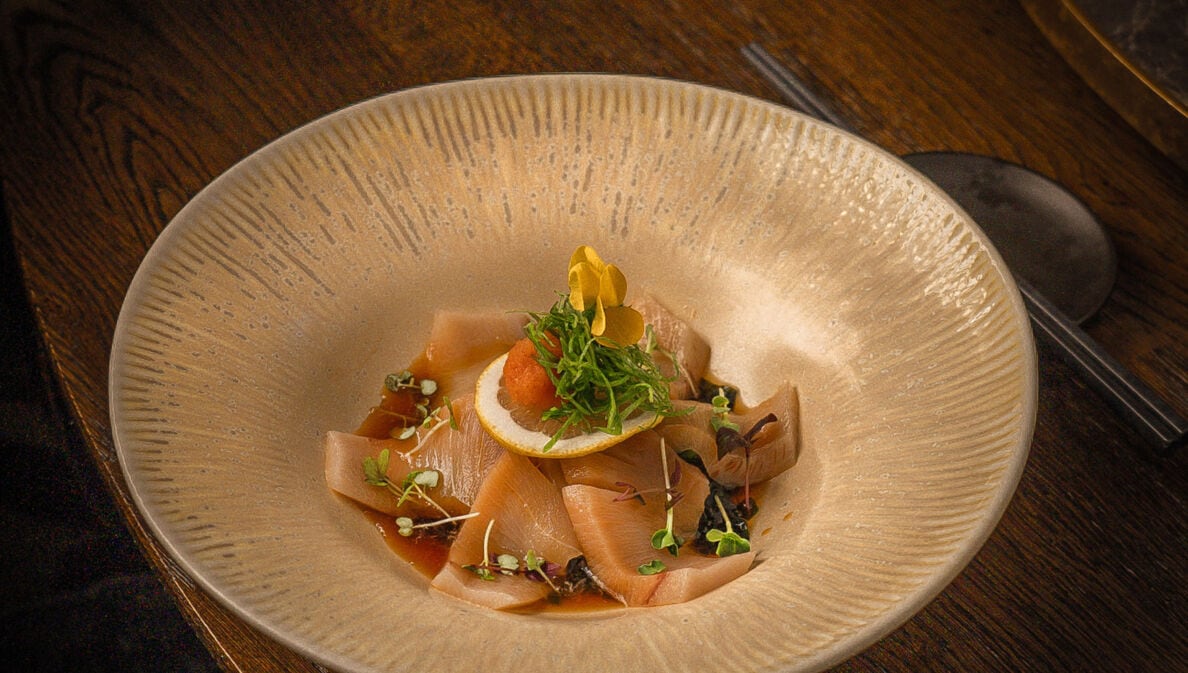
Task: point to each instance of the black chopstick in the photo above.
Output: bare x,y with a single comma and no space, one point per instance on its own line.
791,88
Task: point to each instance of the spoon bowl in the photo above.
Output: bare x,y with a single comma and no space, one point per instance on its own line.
1043,232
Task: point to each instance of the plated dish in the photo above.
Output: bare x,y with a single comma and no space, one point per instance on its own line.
568,457
267,309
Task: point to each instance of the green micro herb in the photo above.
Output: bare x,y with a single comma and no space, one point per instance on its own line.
728,541
652,567
535,564
599,385
720,404
414,483
429,419
483,568
406,381
507,564
666,538
405,525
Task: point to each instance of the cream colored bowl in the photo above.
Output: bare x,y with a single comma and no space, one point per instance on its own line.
272,306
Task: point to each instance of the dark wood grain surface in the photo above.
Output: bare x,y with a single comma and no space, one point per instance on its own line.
116,113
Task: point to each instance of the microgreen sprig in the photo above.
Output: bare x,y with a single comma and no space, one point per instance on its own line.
414,483
720,404
666,538
405,525
406,381
433,422
536,564
599,385
483,568
728,541
430,419
507,564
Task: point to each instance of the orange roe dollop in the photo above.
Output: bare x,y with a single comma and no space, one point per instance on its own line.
525,379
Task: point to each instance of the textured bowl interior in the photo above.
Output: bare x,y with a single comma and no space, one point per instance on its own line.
270,308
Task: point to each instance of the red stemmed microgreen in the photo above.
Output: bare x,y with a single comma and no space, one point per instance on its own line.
730,439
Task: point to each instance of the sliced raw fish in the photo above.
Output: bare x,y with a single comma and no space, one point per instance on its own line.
635,463
678,338
774,448
462,455
616,538
501,593
461,344
529,514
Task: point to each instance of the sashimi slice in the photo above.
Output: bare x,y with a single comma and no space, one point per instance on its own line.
529,514
464,454
344,453
501,593
462,343
688,348
461,455
616,538
636,463
774,449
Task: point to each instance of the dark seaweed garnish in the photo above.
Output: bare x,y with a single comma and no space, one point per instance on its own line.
711,518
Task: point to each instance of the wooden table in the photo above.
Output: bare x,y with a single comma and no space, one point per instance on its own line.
116,113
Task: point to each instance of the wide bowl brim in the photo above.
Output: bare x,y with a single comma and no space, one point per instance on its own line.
272,306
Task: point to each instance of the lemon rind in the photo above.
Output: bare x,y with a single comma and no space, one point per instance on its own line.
498,423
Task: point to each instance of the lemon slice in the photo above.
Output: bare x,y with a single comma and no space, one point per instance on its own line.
498,421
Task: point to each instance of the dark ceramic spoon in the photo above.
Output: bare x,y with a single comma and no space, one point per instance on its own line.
1059,254
1043,232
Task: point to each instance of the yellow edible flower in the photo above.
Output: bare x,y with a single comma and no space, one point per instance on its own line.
594,283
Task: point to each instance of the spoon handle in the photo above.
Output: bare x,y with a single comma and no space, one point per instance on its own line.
1146,411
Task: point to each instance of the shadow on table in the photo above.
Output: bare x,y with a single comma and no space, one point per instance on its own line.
75,592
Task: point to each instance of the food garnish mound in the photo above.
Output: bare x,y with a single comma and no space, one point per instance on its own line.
567,456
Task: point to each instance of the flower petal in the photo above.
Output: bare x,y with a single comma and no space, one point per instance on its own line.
585,254
583,286
622,326
598,324
612,286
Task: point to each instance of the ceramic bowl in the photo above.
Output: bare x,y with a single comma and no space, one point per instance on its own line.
273,304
